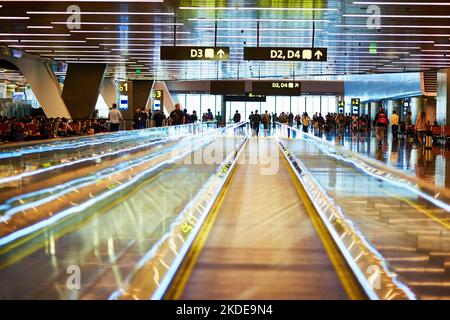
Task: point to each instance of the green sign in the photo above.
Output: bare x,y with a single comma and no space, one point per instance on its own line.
138,71
373,48
356,102
195,53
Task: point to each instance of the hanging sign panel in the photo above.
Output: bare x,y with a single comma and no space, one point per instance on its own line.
285,54
276,88
195,53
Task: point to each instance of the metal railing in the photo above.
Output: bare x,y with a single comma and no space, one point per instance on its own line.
161,263
367,264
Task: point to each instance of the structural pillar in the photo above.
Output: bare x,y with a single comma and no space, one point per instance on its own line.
82,87
108,91
42,81
443,97
169,103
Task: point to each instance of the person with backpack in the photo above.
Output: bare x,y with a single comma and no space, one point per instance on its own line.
381,122
177,116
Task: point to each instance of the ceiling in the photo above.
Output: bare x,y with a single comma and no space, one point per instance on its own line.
128,34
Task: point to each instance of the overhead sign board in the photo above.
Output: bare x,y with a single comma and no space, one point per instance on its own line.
227,87
285,54
341,104
123,95
157,99
276,88
249,97
356,102
195,53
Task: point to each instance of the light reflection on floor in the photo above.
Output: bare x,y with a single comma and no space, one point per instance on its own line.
430,165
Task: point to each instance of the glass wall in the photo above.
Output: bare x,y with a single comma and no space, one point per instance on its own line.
297,105
199,102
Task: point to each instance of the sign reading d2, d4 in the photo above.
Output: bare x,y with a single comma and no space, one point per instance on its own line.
285,54
195,53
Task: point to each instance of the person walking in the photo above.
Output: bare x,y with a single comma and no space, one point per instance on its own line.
177,116
266,121
381,122
114,118
237,117
158,118
421,126
394,124
256,119
305,122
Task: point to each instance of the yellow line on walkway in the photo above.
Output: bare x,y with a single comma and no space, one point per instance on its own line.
184,272
344,273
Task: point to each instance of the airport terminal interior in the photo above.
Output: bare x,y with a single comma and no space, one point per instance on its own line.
224,150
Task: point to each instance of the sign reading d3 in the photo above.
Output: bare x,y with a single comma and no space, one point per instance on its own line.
195,53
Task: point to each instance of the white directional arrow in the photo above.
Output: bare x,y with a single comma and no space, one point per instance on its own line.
318,54
220,53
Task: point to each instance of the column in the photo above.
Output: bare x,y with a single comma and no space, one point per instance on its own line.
169,103
443,97
82,87
108,91
42,82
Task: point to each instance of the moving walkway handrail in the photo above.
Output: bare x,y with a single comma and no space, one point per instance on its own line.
21,148
160,159
439,197
166,256
367,264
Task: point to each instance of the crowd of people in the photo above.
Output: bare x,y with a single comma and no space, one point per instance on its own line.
332,122
40,127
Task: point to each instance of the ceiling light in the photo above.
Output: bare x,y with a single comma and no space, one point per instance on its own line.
60,47
39,27
392,26
35,34
103,13
257,8
257,20
13,18
128,31
390,3
122,23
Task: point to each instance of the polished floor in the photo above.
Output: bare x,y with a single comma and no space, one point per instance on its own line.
262,231
411,233
401,153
